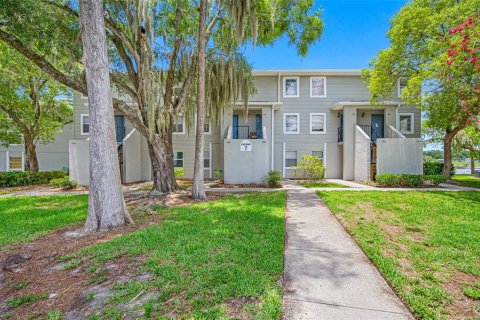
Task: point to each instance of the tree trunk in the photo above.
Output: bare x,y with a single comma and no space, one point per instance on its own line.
160,150
447,151
106,205
31,161
472,163
198,188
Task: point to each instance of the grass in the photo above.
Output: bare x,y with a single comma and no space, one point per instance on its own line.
26,299
23,219
461,164
426,244
323,184
466,180
203,257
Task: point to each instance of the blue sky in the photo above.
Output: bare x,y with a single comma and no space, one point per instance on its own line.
355,31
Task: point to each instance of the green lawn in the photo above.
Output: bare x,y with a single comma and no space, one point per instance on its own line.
323,184
426,244
204,258
466,180
23,219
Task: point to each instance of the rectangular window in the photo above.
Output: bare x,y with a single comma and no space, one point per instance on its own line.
84,124
178,159
179,125
318,154
405,122
207,126
291,87
318,87
290,159
206,159
317,123
402,83
15,163
291,123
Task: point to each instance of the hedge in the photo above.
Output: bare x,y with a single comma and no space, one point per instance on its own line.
26,178
408,180
435,168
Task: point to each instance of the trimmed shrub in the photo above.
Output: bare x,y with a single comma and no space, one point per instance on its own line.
273,178
310,168
435,168
435,179
399,180
179,172
64,183
26,178
218,173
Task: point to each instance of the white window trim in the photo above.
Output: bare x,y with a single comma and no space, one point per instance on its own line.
412,116
183,125
298,86
81,125
209,158
323,153
399,90
7,163
324,87
285,123
183,158
285,159
324,122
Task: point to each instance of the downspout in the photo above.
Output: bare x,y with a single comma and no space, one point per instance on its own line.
272,162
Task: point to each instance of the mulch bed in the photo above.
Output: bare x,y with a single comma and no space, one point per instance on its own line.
237,186
36,264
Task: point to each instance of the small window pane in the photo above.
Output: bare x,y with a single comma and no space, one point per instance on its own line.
406,123
318,123
85,124
206,159
178,159
15,163
290,159
178,125
206,127
318,87
291,123
291,89
318,154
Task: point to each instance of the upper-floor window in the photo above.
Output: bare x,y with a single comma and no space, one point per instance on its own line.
317,123
207,126
84,124
402,83
178,159
291,123
179,125
291,87
405,122
318,87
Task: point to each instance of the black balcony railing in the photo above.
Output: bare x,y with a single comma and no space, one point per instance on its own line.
372,133
240,132
340,134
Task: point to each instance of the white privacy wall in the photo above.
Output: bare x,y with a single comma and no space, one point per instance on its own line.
362,155
400,156
79,161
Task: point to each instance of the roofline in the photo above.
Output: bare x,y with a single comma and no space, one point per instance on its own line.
304,72
340,105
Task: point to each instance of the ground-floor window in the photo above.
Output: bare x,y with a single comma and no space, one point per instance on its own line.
206,159
14,161
318,154
178,159
84,124
290,159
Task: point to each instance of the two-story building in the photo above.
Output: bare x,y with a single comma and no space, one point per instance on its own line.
325,113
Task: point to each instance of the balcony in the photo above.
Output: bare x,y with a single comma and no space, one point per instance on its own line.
243,132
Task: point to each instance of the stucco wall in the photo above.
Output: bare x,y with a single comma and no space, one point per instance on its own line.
246,166
79,161
333,160
362,155
132,158
400,156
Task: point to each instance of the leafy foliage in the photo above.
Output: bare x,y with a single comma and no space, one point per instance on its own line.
179,172
273,178
25,178
64,183
310,168
434,168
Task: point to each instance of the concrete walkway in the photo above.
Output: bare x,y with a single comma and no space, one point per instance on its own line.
327,276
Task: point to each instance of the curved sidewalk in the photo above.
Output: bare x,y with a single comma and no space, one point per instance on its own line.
327,276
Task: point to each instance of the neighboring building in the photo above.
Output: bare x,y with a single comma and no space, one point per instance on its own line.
52,156
325,113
